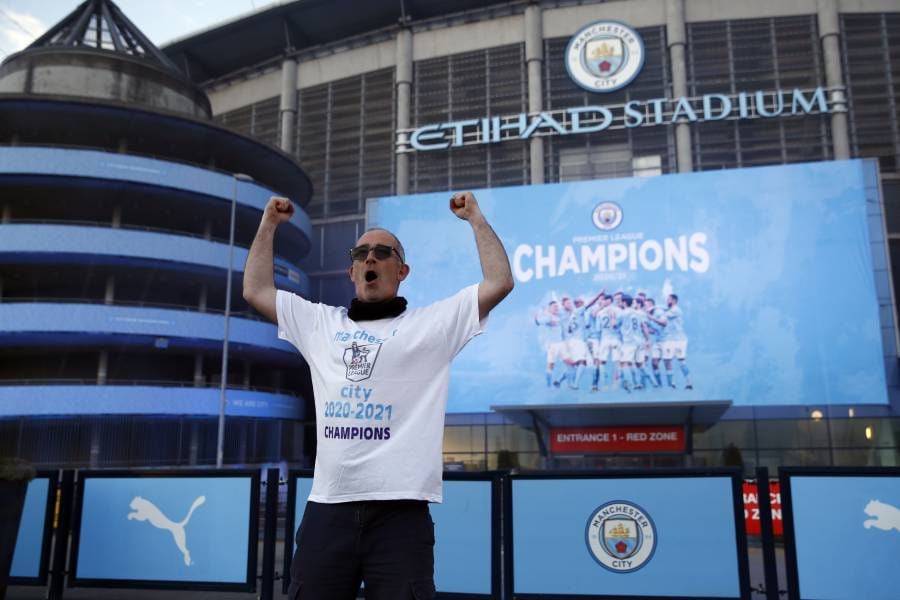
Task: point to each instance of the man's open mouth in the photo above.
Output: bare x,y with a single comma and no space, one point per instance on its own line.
371,276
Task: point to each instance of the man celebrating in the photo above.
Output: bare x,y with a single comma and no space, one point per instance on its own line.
380,375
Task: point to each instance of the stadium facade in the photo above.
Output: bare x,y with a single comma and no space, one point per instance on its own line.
394,97
399,97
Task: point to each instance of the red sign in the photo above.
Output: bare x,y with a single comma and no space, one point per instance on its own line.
580,440
751,507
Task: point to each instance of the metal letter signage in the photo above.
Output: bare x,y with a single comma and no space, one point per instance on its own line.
605,56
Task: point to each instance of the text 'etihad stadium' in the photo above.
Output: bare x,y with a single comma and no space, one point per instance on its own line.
636,113
683,253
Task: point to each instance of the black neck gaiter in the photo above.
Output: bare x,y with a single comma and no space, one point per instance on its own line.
371,311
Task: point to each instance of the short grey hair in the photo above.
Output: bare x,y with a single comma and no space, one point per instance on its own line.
396,239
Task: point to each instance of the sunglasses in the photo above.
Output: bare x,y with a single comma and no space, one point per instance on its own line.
380,251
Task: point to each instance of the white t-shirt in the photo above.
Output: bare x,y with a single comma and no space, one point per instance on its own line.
380,393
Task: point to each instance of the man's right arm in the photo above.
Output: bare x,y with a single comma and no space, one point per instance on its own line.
259,273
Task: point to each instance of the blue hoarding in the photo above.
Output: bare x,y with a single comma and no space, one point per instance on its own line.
463,532
304,487
753,285
626,537
845,531
29,553
183,531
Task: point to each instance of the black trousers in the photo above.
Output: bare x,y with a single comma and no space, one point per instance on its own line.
387,544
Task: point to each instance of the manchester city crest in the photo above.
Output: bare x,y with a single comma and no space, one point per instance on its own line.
605,56
607,216
360,360
621,536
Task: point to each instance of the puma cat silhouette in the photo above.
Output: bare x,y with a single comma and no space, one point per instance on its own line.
144,510
886,517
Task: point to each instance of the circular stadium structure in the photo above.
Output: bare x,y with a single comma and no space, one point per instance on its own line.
117,194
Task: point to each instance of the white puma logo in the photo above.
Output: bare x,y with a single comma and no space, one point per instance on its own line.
144,510
886,517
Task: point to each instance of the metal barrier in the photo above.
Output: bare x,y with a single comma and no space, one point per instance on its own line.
626,534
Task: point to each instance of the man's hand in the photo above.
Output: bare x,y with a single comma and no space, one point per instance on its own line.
278,210
464,206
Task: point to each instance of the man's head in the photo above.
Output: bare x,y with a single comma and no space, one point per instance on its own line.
378,266
567,304
672,300
626,301
649,303
553,307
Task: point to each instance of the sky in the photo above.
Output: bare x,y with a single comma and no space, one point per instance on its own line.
23,21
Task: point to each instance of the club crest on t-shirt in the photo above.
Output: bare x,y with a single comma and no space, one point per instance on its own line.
360,360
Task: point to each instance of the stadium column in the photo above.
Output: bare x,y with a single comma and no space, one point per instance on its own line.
288,105
534,58
404,73
675,33
829,32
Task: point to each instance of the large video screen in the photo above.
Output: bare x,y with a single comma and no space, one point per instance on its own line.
752,285
845,531
185,532
628,537
29,564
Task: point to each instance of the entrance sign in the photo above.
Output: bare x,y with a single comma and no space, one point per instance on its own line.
582,440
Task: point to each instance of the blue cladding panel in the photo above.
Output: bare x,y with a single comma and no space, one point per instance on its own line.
118,244
50,400
124,320
120,167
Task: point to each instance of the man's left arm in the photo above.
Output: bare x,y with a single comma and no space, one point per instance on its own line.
498,280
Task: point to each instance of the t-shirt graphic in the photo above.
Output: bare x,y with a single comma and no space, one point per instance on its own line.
360,360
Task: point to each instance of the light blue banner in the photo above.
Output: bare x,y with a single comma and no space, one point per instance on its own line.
30,541
185,529
847,535
304,487
761,279
462,533
688,546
